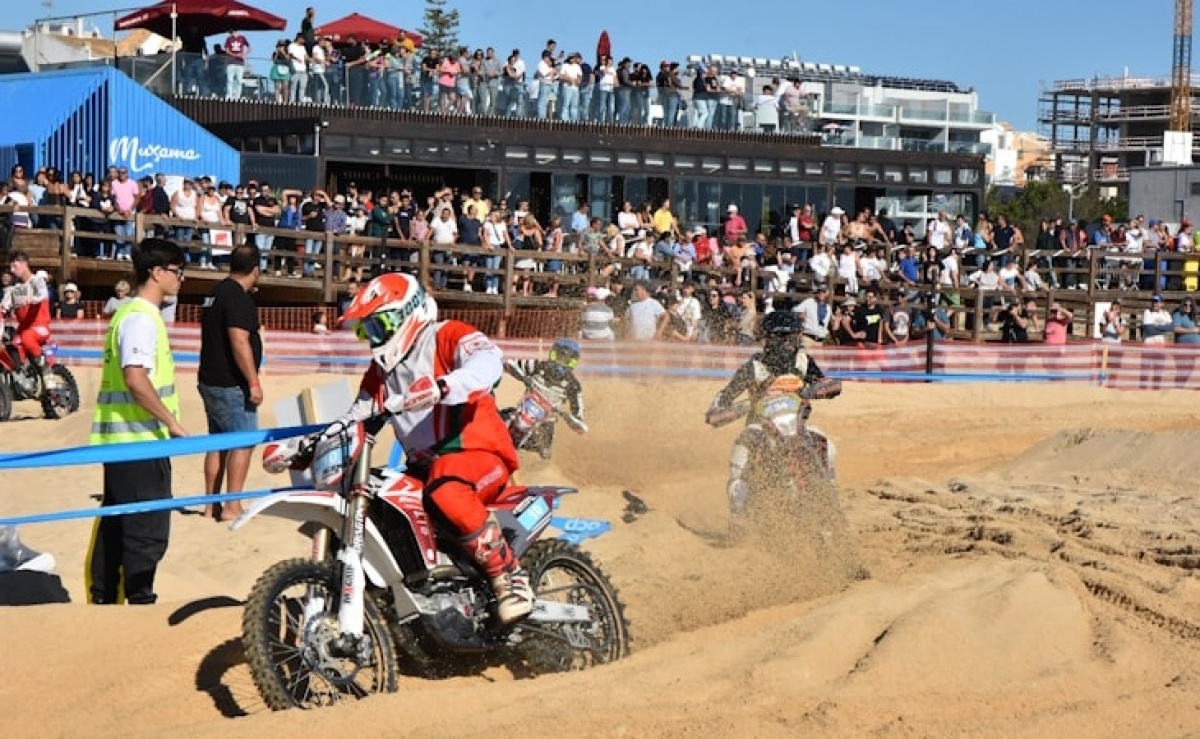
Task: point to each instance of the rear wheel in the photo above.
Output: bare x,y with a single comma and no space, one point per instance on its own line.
561,572
290,633
61,398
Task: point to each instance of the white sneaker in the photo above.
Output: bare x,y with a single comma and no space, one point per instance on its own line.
514,596
467,287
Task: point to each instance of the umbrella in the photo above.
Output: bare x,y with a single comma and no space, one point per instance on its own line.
365,29
603,46
209,17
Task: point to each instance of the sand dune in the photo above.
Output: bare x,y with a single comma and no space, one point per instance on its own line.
1032,554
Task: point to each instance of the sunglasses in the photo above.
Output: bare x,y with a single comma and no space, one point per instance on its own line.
177,271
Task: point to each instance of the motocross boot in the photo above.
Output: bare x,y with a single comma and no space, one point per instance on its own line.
514,596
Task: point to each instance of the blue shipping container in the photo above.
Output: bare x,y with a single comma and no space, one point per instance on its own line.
90,119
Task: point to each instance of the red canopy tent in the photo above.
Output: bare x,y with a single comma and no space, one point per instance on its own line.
209,17
365,29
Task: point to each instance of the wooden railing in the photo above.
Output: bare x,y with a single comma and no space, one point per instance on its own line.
60,246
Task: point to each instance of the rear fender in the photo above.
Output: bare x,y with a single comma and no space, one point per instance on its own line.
329,510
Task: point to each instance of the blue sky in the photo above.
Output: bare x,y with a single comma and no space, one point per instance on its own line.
1005,50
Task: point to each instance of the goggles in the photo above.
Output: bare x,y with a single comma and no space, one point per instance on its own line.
566,359
377,329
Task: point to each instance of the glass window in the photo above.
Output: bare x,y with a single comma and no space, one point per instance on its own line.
775,209
331,144
545,155
918,175
739,164
684,202
685,162
943,176
655,160
967,176
712,164
485,152
789,167
517,153
427,149
398,147
600,158
600,196
869,172
628,159
843,171
844,197
516,186
814,169
457,152
572,156
893,173
764,165
271,144
567,190
636,191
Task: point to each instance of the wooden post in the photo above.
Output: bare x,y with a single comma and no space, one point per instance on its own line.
68,235
977,329
327,281
423,263
139,228
1158,274
509,258
1093,257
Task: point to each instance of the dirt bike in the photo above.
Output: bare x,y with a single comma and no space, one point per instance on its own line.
20,379
531,421
386,586
792,465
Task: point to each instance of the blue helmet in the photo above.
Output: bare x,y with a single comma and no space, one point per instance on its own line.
565,352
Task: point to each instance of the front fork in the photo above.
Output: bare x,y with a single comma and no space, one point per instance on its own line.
353,578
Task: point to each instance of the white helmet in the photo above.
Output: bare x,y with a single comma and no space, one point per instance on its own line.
390,313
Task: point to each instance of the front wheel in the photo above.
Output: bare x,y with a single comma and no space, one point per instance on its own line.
61,397
562,572
291,639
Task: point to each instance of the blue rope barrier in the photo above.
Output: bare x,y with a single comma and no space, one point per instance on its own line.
143,450
147,506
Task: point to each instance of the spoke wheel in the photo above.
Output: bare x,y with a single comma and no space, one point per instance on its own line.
290,635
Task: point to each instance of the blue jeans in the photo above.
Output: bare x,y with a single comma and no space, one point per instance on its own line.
543,98
264,243
127,229
585,103
624,103
312,247
604,106
670,111
228,409
569,103
395,90
492,282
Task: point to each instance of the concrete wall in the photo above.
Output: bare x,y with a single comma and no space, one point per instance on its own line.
1167,193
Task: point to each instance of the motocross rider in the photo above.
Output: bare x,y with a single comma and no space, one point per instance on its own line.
782,354
555,379
434,379
28,301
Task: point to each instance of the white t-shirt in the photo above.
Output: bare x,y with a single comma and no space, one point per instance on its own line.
830,228
949,270
137,340
643,319
938,231
689,310
317,60
444,232
299,57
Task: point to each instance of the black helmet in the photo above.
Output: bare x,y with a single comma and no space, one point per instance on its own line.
781,323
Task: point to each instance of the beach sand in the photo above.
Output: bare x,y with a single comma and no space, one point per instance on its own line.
1032,554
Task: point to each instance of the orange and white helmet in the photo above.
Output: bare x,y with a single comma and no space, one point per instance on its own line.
389,314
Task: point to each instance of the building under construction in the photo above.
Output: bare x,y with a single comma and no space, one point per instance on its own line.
1101,127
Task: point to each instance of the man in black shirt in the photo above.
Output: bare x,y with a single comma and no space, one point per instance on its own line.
869,319
230,355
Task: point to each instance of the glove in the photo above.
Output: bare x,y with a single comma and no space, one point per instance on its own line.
421,395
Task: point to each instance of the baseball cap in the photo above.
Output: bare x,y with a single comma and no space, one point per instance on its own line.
70,287
1157,298
340,199
732,208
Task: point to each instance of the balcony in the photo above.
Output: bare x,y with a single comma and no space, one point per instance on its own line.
1138,113
969,147
1111,174
921,145
923,116
858,110
890,143
977,118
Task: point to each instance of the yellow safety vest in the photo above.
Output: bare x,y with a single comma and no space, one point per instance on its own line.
118,417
